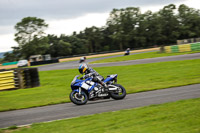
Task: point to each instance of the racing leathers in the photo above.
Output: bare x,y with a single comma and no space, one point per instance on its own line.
96,77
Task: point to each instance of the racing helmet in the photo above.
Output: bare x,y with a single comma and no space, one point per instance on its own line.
82,68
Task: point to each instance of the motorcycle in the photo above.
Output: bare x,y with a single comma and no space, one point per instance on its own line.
84,90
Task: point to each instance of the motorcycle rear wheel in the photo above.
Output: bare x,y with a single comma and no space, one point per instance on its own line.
78,99
118,95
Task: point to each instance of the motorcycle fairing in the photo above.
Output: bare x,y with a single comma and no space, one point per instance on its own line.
76,83
110,78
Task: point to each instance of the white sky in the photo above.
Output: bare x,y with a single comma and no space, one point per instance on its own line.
66,26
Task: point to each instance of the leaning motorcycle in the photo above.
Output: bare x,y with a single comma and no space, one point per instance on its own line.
84,90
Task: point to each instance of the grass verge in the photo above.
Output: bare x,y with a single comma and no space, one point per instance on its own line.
140,56
174,117
55,85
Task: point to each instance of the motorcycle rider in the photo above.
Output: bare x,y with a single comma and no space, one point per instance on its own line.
89,72
82,59
127,52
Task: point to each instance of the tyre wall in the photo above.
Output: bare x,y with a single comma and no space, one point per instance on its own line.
19,78
182,48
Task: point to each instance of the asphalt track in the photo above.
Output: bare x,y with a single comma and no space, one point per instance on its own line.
75,64
69,110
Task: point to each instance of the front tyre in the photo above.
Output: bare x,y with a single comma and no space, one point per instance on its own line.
78,99
120,93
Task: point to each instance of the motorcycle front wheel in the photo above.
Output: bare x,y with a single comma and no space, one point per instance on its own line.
78,99
118,94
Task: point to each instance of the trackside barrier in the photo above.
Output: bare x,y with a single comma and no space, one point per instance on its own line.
44,62
19,78
182,48
7,80
9,63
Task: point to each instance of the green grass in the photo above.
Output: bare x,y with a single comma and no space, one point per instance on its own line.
175,117
140,56
55,85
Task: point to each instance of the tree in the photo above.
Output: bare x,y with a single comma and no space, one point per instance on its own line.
60,48
122,23
35,47
169,23
12,56
189,22
28,29
64,48
94,37
30,36
76,45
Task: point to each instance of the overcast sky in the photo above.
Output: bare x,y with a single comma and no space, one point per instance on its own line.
66,16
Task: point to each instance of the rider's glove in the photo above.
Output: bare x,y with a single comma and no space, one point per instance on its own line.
90,74
85,76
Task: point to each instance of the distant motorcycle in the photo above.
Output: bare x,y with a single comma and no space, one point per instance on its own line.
84,90
82,59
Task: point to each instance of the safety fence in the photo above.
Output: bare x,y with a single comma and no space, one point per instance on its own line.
182,48
44,62
9,63
19,78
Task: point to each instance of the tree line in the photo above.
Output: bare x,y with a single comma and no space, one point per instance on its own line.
125,28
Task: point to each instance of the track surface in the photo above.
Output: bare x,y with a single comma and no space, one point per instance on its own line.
68,110
74,64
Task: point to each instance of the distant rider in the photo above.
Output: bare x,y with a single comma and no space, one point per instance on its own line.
127,52
82,59
89,72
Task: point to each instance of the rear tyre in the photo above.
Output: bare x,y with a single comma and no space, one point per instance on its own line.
119,94
78,99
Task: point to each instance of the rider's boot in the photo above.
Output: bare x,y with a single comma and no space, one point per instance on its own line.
105,86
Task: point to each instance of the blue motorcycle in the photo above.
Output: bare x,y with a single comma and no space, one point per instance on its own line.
84,90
